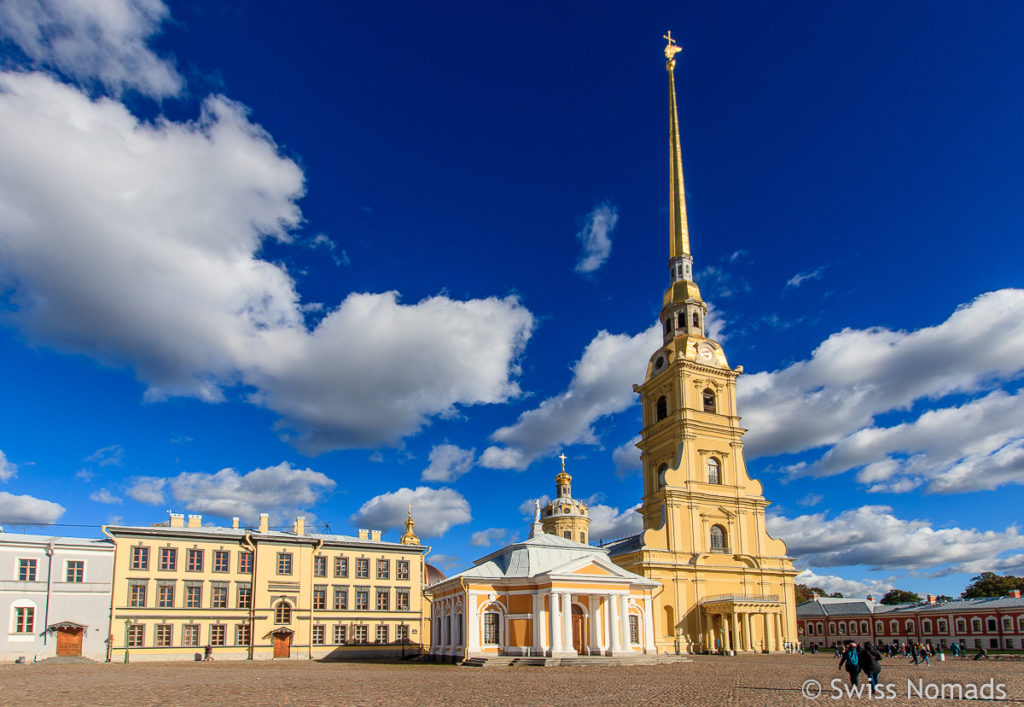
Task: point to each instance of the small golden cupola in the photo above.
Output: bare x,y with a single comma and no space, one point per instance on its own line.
410,537
563,515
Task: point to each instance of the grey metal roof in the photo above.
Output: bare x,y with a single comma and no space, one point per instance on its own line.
624,545
20,538
829,606
826,606
239,533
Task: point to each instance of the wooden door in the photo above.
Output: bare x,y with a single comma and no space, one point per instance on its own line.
578,630
69,641
282,645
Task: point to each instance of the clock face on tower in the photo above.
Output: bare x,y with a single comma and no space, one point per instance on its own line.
705,354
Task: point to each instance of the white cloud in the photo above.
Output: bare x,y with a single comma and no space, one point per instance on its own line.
484,538
722,281
811,499
596,238
28,509
102,40
802,277
855,375
529,506
151,262
445,562
107,456
7,470
872,536
281,490
627,458
85,474
714,323
434,510
606,523
448,462
601,385
104,496
850,588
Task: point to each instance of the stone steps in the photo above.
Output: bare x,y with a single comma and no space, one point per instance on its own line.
504,661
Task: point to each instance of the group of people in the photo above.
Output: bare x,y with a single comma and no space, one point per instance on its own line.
861,659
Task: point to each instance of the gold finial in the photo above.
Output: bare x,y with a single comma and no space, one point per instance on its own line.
410,510
671,49
563,458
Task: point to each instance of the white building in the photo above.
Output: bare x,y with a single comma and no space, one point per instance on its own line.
55,595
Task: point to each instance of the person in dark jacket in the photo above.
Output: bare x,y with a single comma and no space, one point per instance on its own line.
870,661
851,659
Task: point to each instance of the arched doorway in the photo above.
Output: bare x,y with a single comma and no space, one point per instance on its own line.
579,630
283,643
69,638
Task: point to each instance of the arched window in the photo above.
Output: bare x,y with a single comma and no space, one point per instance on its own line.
492,628
709,400
283,613
821,628
681,321
567,534
583,537
941,624
894,627
670,621
961,626
864,628
991,624
714,472
718,539
810,629
926,626
976,625
842,628
910,625
662,411
668,325
879,627
696,321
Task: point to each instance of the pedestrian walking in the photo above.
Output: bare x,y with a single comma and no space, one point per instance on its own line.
982,653
925,653
870,662
208,652
851,659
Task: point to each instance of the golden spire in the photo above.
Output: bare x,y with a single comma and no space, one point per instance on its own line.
410,537
679,230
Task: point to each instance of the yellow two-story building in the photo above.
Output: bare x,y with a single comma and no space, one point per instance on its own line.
182,586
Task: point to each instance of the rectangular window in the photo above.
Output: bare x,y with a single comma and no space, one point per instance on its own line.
382,633
244,596
491,628
362,568
245,563
165,596
24,619
402,599
26,570
76,571
402,569
361,634
163,635
140,558
320,566
634,629
195,561
362,599
383,569
218,635
190,635
219,597
241,634
137,595
284,563
193,596
341,567
168,559
319,635
136,634
320,598
340,598
402,633
383,600
339,634
221,561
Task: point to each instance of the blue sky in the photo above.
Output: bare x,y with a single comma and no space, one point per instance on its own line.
336,259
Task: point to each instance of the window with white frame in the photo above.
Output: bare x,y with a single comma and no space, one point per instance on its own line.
218,635
491,625
382,633
942,626
879,627
75,572
926,626
162,635
842,628
242,633
319,634
961,626
26,570
1008,624
864,628
719,540
283,613
894,627
190,635
340,634
634,629
136,635
24,619
909,624
976,625
361,633
402,633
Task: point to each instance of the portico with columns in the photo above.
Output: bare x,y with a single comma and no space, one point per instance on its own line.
740,624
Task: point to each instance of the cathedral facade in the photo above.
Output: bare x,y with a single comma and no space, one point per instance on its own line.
727,584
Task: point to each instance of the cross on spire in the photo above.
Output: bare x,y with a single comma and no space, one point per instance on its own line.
671,49
563,458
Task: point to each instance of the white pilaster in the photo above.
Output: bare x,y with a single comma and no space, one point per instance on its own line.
612,621
555,623
726,638
748,635
472,623
593,605
649,646
624,621
734,622
537,647
567,623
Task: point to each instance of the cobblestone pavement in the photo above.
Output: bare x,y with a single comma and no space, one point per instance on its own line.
708,681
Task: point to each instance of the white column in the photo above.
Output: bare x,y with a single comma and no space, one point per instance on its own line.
769,643
602,620
472,637
612,620
555,624
593,605
624,620
649,646
537,647
748,637
727,621
778,631
567,623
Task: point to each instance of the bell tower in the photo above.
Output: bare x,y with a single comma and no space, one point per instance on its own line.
703,516
564,516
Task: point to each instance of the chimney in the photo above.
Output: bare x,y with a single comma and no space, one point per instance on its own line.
300,525
871,598
930,598
195,521
264,522
234,523
177,519
1013,594
814,596
375,535
364,534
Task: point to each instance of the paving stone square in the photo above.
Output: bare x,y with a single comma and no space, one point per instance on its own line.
708,681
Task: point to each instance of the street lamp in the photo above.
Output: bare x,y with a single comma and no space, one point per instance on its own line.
402,624
127,632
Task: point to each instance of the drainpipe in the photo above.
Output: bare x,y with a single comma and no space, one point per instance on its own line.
247,541
319,544
110,616
46,609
